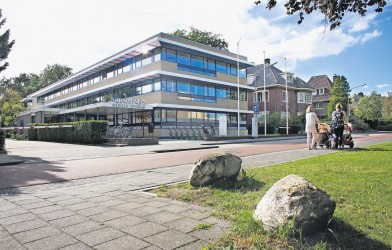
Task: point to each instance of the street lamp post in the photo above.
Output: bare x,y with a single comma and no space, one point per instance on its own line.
238,88
348,100
256,101
287,97
264,101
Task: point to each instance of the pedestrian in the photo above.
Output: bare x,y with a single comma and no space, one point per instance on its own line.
338,119
310,127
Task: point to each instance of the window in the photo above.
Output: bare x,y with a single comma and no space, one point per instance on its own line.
171,55
169,85
157,115
260,96
233,94
284,93
210,91
321,91
183,117
221,67
171,115
243,95
308,98
197,90
157,54
157,85
233,70
146,59
197,61
183,58
221,93
314,92
304,97
318,105
146,88
183,87
211,64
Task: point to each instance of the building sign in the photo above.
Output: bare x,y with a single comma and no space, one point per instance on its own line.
128,103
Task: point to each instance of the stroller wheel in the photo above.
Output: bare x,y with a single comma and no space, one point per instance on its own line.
351,145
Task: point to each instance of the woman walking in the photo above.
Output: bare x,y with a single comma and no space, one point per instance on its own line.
310,127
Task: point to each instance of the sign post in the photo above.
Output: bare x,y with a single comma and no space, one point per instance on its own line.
255,123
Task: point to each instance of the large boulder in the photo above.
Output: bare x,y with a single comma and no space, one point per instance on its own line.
213,167
294,197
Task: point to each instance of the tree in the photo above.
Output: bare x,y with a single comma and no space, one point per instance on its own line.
5,44
370,107
340,91
52,74
387,107
10,106
26,84
333,10
204,37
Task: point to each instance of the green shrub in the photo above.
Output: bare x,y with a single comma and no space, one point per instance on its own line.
358,123
2,140
385,128
83,132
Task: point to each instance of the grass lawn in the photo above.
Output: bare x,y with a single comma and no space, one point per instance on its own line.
359,180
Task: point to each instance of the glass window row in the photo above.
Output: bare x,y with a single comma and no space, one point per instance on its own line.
185,61
185,90
198,64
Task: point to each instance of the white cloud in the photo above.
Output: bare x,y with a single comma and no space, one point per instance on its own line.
382,86
361,23
368,36
79,33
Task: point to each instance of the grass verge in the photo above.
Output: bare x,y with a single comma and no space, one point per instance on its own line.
359,180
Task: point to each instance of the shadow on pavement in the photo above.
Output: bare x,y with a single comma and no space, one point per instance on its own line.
32,171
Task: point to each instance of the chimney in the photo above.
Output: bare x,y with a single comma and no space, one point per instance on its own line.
267,61
335,77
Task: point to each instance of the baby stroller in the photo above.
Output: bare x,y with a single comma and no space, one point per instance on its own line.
347,138
322,138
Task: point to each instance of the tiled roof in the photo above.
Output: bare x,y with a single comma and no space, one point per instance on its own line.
274,76
321,81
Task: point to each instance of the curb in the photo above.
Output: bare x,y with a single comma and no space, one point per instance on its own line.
182,149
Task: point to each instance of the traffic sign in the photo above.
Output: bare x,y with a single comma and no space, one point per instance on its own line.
255,108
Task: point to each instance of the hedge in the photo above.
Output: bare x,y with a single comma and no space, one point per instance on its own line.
384,128
83,132
2,140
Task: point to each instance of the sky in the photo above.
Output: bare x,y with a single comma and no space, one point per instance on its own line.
79,33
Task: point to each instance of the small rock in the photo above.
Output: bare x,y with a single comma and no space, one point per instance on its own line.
294,197
213,167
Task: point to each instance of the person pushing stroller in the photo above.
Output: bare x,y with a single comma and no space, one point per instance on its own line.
338,120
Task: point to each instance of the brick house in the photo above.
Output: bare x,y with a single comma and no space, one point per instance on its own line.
299,92
321,95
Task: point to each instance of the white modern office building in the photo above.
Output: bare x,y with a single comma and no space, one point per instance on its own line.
165,80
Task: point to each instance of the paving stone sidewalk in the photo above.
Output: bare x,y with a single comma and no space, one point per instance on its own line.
101,216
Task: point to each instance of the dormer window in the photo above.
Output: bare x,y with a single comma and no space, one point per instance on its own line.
290,76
